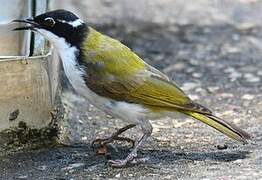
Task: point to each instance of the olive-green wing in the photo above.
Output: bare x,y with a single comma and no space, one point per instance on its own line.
114,71
145,88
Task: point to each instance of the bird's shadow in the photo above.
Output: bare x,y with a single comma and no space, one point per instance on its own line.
167,156
62,156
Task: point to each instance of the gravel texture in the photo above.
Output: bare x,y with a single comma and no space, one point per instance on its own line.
217,63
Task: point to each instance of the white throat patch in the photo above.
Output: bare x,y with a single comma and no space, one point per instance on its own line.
67,54
74,23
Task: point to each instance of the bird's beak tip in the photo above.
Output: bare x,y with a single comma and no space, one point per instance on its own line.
28,21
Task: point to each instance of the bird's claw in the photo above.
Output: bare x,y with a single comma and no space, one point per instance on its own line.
103,142
118,163
102,149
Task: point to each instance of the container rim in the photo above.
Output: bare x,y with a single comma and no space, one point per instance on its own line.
11,58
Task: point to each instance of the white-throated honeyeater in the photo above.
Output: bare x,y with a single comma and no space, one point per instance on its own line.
114,79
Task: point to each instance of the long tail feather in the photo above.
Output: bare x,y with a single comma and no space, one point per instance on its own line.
221,125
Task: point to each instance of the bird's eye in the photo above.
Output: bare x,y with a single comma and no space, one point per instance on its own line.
50,22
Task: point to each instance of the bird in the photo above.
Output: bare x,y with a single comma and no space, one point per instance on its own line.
116,80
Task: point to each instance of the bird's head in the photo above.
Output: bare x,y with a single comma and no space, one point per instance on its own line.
57,26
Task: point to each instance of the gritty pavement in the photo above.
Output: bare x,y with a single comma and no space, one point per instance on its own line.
217,64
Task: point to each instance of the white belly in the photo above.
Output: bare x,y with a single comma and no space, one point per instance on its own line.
131,113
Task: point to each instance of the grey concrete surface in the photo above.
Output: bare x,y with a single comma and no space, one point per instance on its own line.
218,63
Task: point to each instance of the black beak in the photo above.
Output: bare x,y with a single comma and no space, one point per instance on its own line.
32,24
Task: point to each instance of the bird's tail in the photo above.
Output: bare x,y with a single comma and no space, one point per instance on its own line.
221,125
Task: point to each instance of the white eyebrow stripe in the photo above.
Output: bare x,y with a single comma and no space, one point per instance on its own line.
75,23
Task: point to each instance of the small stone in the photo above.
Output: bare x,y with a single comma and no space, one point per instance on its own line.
13,115
212,89
230,49
190,70
194,62
259,73
229,70
235,75
235,37
249,111
221,147
189,85
239,161
197,75
248,97
84,138
246,26
118,175
194,97
22,177
42,168
251,77
109,116
73,166
226,95
175,67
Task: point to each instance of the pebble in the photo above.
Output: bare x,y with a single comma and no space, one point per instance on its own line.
226,95
194,97
197,75
72,166
189,85
194,62
233,74
238,161
221,147
118,175
248,97
84,138
230,49
213,89
190,70
246,26
22,177
249,111
259,73
42,168
175,67
229,70
235,37
251,77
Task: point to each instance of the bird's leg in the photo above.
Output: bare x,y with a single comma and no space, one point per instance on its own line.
131,158
115,136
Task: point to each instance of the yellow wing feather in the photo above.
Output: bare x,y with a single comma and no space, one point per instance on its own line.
123,76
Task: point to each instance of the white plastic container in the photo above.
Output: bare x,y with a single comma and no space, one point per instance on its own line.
28,70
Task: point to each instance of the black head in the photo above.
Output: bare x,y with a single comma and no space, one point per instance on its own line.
57,24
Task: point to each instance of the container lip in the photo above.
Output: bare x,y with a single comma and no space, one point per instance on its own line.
11,58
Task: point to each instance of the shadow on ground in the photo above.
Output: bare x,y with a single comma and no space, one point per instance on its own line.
63,162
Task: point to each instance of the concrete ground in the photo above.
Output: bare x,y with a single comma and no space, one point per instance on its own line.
217,62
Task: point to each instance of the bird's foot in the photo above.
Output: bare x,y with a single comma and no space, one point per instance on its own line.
130,159
105,141
102,149
115,137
